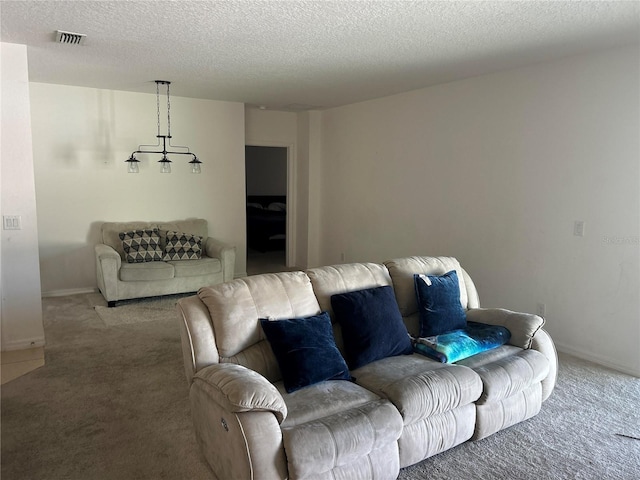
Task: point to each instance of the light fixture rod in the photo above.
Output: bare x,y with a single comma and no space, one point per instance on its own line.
195,163
164,150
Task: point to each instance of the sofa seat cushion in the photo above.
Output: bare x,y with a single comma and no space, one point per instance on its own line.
492,417
509,375
322,400
490,356
332,446
144,272
420,387
194,268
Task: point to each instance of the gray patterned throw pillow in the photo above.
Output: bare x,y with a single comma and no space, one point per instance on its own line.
141,246
182,246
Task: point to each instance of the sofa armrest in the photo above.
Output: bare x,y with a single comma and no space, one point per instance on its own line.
523,326
238,389
543,343
108,264
225,252
526,332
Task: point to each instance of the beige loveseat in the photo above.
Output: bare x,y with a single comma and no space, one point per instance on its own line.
397,411
119,279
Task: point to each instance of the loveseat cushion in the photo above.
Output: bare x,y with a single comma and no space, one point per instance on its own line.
305,350
192,268
372,327
195,226
145,272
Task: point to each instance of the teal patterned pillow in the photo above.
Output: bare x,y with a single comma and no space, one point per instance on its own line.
141,245
182,246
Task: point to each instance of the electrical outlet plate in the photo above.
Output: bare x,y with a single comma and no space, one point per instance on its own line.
11,222
578,228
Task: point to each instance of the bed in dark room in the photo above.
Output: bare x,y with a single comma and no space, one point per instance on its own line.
266,222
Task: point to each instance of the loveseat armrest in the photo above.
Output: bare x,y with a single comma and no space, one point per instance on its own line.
105,252
108,264
225,252
523,326
238,389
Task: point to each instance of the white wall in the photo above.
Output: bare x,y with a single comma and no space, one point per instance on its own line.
270,128
266,170
494,170
280,129
21,307
309,168
82,137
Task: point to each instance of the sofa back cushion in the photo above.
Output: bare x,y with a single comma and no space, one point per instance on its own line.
328,281
402,271
236,308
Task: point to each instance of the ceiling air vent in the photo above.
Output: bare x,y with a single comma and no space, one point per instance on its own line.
70,38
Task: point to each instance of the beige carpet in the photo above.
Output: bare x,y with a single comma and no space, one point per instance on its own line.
112,403
137,311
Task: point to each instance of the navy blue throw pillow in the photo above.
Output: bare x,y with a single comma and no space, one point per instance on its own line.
372,326
305,350
439,303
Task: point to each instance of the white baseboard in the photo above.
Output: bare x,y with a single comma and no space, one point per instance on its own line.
16,363
599,359
69,291
22,344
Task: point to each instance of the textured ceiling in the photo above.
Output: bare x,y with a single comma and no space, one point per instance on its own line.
299,54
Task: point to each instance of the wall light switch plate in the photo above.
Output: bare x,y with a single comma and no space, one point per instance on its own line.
578,228
11,222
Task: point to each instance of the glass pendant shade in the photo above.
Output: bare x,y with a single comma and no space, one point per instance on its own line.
165,165
195,165
132,164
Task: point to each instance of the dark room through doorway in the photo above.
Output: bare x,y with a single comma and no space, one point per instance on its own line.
266,190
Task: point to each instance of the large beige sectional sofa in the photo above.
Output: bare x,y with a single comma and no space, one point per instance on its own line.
395,412
119,279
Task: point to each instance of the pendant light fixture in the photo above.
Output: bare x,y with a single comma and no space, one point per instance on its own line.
165,164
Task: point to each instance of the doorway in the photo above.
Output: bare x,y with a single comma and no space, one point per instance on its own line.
267,208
